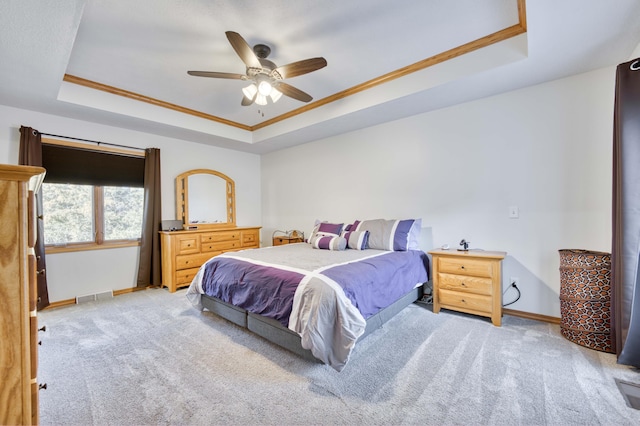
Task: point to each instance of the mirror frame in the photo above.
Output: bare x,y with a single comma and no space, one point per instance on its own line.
182,200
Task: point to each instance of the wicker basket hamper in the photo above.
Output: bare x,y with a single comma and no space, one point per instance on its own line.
585,298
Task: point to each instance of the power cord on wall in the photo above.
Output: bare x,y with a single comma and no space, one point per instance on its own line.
513,284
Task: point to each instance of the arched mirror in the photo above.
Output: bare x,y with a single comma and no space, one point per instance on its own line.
205,199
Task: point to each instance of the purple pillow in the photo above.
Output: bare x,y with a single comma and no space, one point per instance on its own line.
330,228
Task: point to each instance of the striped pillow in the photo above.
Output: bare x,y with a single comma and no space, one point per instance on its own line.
323,241
392,235
357,240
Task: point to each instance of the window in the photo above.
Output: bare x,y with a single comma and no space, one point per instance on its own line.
86,214
91,199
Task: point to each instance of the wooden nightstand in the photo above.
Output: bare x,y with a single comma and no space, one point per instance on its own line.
278,241
287,238
468,281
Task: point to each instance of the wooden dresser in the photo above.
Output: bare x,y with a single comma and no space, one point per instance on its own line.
18,293
468,281
183,252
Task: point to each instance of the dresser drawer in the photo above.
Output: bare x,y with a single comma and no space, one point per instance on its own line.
220,246
250,238
212,237
187,244
466,301
185,276
462,266
464,283
193,261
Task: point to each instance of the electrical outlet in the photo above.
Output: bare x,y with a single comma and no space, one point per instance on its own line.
514,280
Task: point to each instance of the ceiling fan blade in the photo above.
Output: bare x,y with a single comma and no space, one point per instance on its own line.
301,67
294,93
243,50
217,74
246,101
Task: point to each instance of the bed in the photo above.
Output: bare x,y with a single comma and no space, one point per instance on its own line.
317,298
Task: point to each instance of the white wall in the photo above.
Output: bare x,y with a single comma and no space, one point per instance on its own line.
80,273
546,149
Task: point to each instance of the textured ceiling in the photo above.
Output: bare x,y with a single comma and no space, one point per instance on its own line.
385,59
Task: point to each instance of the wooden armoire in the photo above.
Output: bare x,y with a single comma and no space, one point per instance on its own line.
18,294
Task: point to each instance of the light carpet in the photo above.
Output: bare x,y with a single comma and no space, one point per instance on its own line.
149,357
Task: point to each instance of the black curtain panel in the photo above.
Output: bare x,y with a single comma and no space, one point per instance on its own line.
149,267
625,259
31,155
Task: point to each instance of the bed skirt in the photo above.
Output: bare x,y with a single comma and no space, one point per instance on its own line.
275,332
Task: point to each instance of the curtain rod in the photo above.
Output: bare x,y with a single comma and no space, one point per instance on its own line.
96,142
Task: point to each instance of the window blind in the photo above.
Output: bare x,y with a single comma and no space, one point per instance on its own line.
79,166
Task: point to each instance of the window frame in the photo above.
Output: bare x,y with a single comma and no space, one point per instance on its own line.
98,242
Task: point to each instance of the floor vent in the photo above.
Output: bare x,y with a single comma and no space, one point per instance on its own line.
630,392
93,297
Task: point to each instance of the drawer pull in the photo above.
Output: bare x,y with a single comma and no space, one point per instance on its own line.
463,301
463,284
43,328
461,266
40,342
40,272
42,386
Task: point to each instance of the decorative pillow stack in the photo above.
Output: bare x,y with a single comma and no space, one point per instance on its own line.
356,240
379,234
326,236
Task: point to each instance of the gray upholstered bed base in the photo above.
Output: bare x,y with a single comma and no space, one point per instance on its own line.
273,331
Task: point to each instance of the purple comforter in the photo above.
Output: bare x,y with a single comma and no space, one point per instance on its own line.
260,289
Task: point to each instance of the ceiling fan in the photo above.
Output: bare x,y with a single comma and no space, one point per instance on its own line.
265,77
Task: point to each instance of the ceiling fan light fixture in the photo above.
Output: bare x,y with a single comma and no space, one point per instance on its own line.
264,88
250,91
261,99
275,95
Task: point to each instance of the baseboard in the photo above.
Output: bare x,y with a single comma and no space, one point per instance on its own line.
513,313
529,315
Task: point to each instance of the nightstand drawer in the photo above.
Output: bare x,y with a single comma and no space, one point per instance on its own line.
468,301
462,266
465,284
278,241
